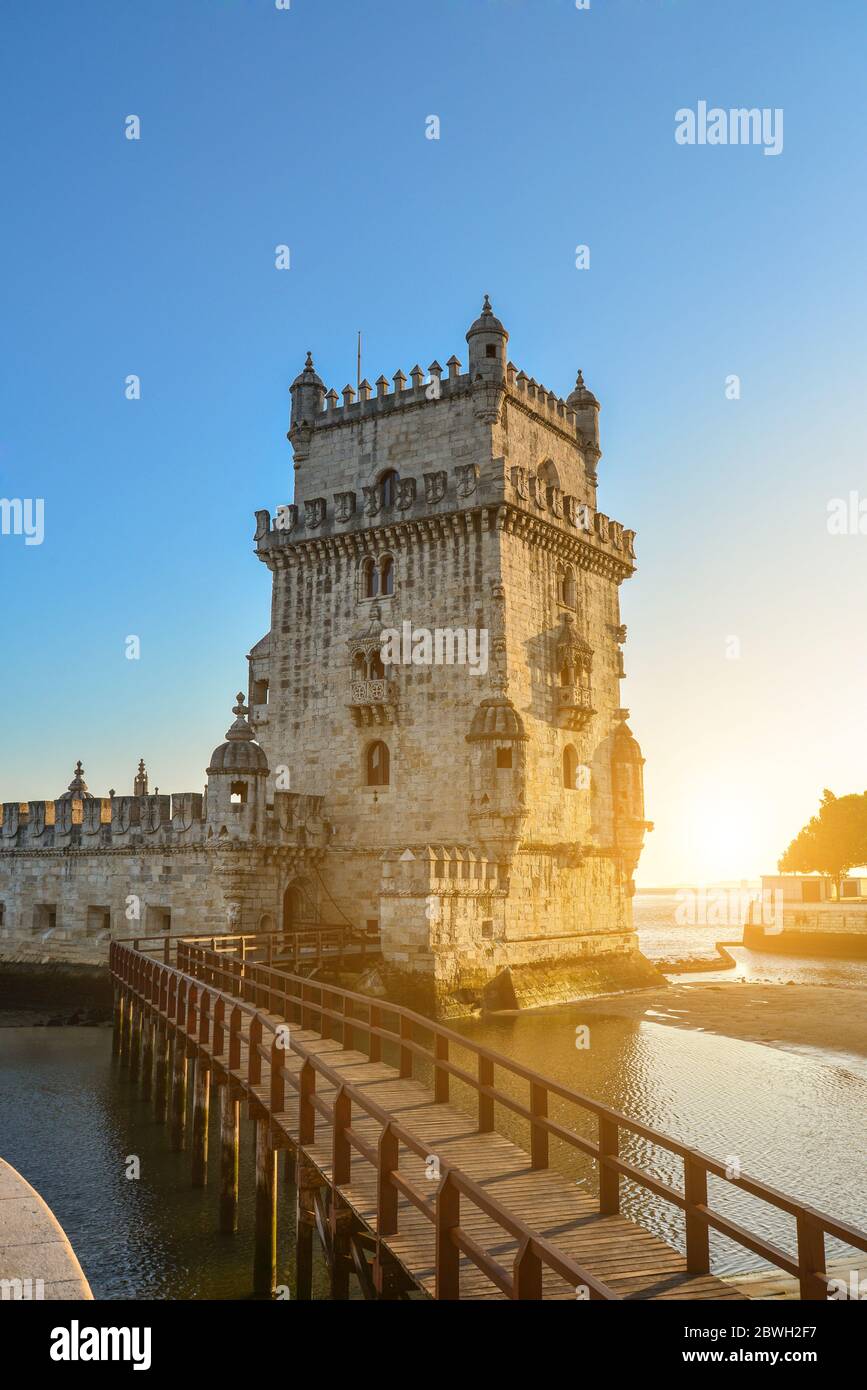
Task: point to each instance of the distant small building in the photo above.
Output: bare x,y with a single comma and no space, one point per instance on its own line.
814,888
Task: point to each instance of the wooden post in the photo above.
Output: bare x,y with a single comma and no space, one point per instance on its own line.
811,1258
230,1141
179,1093
374,1048
201,1115
147,1061
265,1258
538,1135
405,1052
486,1103
527,1273
304,1223
697,1232
341,1151
448,1219
161,1072
117,1035
134,1039
306,1111
609,1180
441,1076
386,1202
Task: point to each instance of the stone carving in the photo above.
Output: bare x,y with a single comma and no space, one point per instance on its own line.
467,475
372,499
344,506
519,482
435,486
314,511
406,488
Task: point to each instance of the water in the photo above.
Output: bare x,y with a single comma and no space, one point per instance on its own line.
69,1118
661,938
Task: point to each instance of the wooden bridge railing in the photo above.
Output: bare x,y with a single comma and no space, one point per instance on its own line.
198,1008
266,991
313,945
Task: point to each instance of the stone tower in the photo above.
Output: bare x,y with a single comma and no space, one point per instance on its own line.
443,668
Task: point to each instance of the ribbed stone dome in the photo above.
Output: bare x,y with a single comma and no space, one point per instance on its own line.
487,322
496,718
240,753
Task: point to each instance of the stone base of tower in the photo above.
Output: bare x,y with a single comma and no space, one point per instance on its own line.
456,985
460,933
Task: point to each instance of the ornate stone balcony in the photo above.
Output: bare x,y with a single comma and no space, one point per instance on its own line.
575,706
372,702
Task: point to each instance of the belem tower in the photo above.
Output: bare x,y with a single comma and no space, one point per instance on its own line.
466,786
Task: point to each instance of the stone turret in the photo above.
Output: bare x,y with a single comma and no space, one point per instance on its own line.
308,400
488,343
498,777
237,773
627,777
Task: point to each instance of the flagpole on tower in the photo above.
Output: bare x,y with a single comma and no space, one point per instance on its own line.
358,363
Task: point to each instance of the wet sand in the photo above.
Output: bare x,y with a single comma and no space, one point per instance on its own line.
795,1017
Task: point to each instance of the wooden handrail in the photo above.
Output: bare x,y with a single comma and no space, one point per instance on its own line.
207,971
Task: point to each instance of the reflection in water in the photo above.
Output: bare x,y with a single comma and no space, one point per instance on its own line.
69,1118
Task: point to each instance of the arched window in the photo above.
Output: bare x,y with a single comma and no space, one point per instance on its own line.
548,474
377,765
570,768
376,668
369,578
566,591
388,487
567,676
386,575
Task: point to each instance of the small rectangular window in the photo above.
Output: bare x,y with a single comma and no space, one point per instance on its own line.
488,929
504,757
491,350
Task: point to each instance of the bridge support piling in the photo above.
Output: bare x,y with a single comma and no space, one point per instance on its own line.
147,1061
265,1256
201,1115
342,1227
230,1139
307,1181
135,1040
117,1035
179,1093
161,1072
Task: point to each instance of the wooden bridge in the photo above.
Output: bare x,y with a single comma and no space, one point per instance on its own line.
408,1190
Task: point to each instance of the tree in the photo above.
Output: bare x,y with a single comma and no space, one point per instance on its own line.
833,841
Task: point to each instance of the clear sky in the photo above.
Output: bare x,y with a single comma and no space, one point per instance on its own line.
306,127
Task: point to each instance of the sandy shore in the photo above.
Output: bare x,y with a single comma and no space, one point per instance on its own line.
796,1017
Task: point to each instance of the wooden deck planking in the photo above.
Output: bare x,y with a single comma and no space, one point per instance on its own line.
634,1263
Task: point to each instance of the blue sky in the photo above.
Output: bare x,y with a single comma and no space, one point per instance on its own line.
307,127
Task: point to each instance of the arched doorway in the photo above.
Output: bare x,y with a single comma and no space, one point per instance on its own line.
299,912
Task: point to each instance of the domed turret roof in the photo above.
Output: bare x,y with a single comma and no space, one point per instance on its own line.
496,718
581,396
240,753
77,790
487,322
308,377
